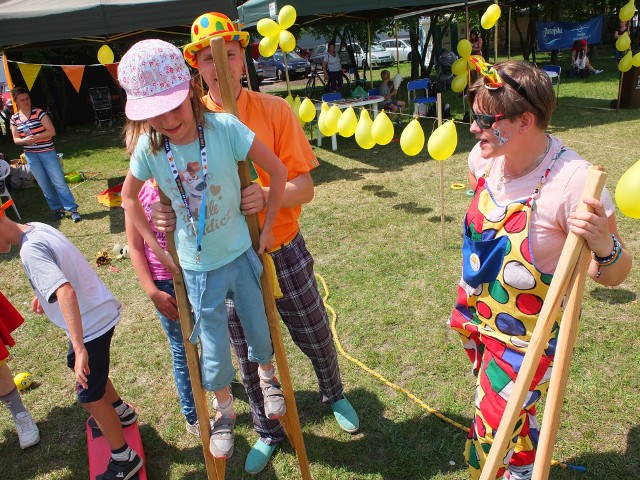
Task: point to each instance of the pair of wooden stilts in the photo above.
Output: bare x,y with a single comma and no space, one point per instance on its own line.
216,467
569,279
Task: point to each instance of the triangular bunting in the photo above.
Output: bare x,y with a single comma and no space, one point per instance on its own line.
113,70
74,74
29,72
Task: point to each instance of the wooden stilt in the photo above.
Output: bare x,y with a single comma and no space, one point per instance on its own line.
215,466
291,421
560,373
566,266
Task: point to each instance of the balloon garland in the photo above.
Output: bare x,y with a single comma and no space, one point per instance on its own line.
628,192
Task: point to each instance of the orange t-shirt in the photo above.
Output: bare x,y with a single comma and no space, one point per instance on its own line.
275,124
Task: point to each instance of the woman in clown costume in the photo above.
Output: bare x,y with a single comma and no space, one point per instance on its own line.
527,187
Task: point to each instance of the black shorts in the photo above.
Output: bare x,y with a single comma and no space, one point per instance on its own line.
98,350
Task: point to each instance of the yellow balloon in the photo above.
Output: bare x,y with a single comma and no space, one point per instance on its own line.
287,16
443,142
464,48
635,60
459,67
322,119
459,83
287,41
347,122
268,28
490,17
382,129
268,46
623,42
624,65
627,12
289,100
307,110
105,55
628,192
331,121
412,138
363,131
296,105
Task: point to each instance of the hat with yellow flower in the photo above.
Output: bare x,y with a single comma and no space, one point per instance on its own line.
208,26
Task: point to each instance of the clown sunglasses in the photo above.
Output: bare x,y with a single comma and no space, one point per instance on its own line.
485,121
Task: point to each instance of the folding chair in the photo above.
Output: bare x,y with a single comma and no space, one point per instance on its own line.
5,169
414,86
331,97
554,74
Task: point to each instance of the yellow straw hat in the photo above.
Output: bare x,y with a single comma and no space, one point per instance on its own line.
208,26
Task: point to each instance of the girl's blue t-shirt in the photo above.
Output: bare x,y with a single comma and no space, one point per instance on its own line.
226,235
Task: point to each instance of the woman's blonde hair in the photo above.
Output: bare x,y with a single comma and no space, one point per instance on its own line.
134,129
526,89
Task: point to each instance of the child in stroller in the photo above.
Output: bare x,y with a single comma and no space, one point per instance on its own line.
445,60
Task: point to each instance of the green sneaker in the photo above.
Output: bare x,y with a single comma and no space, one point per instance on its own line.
346,415
258,457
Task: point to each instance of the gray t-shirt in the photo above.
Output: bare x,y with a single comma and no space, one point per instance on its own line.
50,260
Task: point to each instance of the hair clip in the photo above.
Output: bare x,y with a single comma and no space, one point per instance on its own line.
489,72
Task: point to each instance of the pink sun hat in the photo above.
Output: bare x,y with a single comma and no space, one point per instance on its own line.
155,77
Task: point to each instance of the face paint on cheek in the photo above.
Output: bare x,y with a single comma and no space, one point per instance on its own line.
502,139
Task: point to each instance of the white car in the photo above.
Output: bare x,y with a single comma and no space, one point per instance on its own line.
379,56
402,50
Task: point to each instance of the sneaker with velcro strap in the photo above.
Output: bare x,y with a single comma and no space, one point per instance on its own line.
122,470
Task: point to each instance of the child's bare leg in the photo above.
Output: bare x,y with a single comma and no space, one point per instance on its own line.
222,440
108,421
274,404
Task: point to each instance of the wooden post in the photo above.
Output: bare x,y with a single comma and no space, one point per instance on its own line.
215,466
290,421
566,266
560,373
439,104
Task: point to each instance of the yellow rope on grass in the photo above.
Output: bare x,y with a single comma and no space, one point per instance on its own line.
397,388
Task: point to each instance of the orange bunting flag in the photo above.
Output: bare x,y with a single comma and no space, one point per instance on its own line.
29,73
74,73
113,70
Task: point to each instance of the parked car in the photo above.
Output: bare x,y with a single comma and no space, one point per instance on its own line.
403,50
317,54
5,94
379,56
274,66
303,52
259,73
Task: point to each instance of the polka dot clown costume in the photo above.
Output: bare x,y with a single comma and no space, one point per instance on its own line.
208,26
499,298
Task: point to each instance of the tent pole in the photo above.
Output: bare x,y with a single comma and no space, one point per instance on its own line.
509,36
495,41
7,74
395,22
369,53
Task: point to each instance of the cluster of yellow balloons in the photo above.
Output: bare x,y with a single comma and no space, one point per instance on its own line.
624,41
628,192
490,17
368,133
462,65
105,55
276,33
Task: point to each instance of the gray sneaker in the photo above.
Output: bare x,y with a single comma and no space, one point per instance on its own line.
28,433
274,404
222,438
194,428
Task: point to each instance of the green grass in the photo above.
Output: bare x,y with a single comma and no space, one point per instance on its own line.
374,230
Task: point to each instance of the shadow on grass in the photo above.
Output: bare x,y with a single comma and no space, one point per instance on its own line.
612,466
613,296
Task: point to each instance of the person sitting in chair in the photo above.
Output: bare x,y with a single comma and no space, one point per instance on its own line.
388,90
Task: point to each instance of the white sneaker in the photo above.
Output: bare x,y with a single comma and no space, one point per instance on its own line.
598,72
28,432
194,428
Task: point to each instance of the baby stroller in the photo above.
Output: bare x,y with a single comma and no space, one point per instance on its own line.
101,105
445,76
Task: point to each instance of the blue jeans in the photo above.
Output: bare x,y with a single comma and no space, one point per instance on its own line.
239,281
49,175
180,368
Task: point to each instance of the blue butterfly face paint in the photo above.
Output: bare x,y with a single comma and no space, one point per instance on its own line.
501,139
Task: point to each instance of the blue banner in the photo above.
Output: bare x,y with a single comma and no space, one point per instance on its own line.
561,35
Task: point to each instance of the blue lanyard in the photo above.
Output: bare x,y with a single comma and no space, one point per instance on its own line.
176,177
